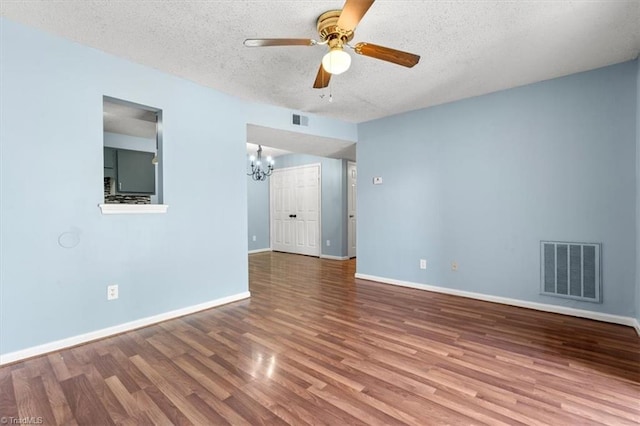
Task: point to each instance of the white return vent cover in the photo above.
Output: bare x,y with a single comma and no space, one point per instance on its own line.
570,270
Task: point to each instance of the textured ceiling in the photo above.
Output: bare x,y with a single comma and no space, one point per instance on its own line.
468,47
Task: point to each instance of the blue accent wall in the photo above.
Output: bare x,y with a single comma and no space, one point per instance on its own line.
258,214
483,180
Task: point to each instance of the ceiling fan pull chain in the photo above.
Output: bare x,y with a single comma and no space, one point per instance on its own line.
330,91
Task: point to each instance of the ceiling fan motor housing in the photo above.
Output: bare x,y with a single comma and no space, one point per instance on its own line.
329,31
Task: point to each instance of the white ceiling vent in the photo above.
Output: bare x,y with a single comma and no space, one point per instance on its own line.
571,270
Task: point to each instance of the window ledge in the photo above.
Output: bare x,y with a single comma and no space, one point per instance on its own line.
133,208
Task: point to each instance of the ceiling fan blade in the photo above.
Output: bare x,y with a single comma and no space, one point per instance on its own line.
387,54
262,42
322,79
352,13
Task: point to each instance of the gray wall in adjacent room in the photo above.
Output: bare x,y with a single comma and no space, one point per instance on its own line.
258,214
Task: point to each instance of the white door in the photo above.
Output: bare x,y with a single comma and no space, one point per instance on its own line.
307,212
351,208
295,210
282,202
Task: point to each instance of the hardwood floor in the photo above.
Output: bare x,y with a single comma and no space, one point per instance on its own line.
313,345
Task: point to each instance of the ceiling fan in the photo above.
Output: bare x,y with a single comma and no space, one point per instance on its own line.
336,29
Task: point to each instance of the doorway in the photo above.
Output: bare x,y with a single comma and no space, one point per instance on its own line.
295,210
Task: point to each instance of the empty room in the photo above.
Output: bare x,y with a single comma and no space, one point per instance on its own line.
320,212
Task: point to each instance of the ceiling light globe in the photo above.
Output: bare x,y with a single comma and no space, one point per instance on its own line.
336,61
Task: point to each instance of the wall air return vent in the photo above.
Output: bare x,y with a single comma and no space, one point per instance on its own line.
571,270
300,120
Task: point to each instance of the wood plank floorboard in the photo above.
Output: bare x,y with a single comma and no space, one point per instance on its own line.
315,346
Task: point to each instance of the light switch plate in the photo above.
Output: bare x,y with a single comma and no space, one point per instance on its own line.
377,180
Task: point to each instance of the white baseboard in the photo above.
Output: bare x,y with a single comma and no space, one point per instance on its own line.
116,329
262,250
598,316
330,257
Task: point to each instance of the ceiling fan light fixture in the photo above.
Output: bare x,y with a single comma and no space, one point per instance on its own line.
336,61
336,29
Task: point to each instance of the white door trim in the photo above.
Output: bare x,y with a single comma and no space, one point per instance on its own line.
351,226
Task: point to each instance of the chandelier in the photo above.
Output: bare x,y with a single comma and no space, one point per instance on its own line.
257,172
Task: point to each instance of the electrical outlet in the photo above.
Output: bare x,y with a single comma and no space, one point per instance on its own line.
328,243
423,263
253,238
454,266
112,292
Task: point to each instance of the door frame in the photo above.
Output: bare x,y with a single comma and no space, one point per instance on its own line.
351,255
272,194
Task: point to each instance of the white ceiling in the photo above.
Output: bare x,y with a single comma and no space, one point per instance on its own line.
467,47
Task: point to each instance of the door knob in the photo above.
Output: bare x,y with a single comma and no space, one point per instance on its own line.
350,215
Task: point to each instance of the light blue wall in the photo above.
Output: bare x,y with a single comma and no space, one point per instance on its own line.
333,188
483,180
258,213
51,184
